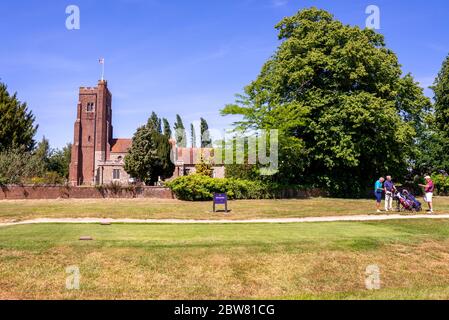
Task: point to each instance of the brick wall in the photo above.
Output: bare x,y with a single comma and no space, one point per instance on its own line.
56,192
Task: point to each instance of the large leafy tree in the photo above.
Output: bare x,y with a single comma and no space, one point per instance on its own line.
440,154
336,93
150,155
441,90
433,152
17,126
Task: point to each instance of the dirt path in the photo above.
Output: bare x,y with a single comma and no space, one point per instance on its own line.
281,220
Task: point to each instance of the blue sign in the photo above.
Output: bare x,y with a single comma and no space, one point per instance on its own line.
222,199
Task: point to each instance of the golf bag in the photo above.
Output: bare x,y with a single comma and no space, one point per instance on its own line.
407,202
416,205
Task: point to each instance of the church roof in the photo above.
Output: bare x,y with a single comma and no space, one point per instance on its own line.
121,145
192,156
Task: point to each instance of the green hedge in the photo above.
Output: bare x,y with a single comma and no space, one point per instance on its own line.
201,188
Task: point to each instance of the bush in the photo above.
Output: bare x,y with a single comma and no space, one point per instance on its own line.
204,167
441,182
114,188
18,166
15,165
201,188
49,178
242,171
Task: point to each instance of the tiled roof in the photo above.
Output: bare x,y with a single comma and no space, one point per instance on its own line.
121,145
188,156
191,156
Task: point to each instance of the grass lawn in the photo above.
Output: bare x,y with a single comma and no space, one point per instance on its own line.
163,209
279,261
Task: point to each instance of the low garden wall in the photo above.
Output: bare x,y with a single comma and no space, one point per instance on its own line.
66,192
32,192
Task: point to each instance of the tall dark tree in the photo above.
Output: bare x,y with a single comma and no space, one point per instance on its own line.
17,126
155,122
167,129
206,141
180,132
192,136
150,155
344,111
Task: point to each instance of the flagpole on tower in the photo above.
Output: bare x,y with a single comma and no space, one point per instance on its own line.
102,68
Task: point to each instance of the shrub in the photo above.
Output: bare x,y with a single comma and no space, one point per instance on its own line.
18,166
114,188
15,164
3,181
242,171
441,182
49,178
204,167
201,188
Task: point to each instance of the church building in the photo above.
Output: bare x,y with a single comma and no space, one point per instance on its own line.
98,158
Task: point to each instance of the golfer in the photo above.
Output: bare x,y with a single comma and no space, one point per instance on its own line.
378,190
429,188
389,193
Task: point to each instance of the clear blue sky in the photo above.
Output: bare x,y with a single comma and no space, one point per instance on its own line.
178,56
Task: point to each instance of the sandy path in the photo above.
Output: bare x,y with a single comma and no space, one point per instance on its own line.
280,220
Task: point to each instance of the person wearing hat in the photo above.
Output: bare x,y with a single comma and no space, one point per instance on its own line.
429,188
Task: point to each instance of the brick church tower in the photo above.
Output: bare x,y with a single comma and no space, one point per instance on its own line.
93,134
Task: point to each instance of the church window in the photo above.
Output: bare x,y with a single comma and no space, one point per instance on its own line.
116,174
90,107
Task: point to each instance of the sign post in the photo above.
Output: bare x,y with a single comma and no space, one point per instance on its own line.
221,199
